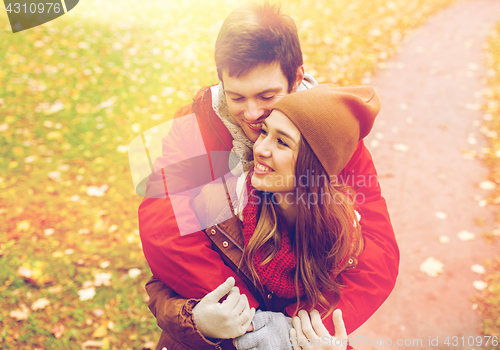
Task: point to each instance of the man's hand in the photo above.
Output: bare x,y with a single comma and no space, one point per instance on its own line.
306,332
225,320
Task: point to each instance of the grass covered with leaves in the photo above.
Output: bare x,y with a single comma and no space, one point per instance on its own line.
73,94
489,300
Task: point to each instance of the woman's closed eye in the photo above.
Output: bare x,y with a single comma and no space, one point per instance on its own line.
280,141
283,143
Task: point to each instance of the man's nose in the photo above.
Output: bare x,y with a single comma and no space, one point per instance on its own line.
253,112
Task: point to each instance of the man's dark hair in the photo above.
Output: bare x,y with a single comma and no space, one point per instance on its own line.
258,34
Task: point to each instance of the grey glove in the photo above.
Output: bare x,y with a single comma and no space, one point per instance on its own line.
271,332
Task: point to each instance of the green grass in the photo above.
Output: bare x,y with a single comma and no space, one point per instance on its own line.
73,94
489,300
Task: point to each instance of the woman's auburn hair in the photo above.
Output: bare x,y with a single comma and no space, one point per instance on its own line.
326,234
254,35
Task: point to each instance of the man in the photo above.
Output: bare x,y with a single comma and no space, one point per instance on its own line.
259,60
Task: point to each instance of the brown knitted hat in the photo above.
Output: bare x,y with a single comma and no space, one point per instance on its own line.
332,119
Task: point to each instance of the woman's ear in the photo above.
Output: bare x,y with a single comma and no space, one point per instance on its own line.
298,79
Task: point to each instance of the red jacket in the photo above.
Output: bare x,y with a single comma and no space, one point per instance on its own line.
191,268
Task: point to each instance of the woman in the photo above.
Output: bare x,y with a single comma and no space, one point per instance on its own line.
299,229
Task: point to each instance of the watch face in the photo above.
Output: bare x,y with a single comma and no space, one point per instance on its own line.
28,14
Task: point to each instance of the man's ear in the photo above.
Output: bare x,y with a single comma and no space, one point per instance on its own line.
298,78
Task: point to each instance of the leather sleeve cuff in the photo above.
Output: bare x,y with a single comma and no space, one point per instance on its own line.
186,321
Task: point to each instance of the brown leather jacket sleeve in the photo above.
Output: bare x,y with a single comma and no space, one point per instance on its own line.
175,317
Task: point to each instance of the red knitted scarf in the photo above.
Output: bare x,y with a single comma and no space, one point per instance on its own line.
278,275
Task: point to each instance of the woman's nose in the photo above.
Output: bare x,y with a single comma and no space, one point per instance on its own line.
262,148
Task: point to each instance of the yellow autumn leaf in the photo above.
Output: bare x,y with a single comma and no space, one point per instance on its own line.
100,331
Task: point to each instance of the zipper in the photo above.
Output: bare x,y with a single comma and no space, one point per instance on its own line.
262,291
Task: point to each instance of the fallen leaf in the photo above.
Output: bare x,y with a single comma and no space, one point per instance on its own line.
56,107
107,103
24,272
104,264
102,279
443,127
471,139
472,66
487,185
441,215
468,154
136,128
478,269
133,273
374,143
23,226
57,331
400,147
21,314
100,331
431,267
30,159
473,106
98,312
87,284
92,344
480,285
465,236
48,231
149,345
40,304
55,290
55,175
444,239
95,191
83,231
86,294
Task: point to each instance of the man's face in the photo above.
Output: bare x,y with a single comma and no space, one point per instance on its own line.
251,98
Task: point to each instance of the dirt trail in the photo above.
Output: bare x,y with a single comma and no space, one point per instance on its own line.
430,94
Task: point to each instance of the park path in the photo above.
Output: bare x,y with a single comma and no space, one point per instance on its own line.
430,93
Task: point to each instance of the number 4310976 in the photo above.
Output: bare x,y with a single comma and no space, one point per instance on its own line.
471,341
34,8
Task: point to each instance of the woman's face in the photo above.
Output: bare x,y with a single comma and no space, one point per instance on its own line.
275,153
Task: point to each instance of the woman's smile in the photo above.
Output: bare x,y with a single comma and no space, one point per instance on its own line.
262,169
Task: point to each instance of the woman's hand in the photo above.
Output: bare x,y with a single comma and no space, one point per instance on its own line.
225,320
311,334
